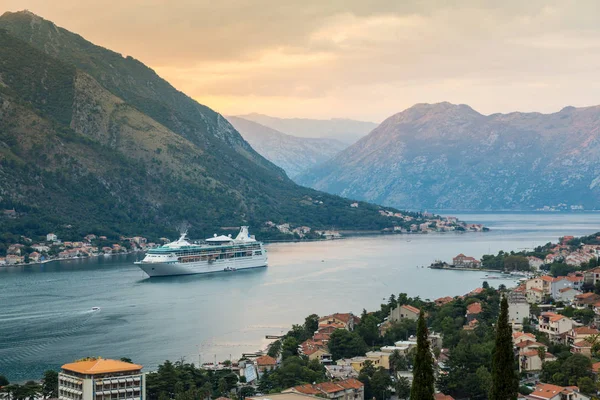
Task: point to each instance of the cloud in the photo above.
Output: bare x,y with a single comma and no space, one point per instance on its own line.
351,58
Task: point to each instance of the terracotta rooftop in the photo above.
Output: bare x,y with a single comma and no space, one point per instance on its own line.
329,387
474,308
442,396
548,391
596,367
266,360
585,330
411,308
100,366
351,383
517,335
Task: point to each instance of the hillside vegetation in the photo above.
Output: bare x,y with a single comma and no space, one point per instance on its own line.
99,143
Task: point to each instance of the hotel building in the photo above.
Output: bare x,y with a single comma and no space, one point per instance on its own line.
101,379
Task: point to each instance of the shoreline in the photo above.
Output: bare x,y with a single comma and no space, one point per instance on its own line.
37,263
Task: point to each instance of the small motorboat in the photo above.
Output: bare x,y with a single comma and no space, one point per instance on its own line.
95,308
228,269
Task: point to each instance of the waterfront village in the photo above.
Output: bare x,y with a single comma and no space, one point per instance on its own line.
28,251
53,248
554,320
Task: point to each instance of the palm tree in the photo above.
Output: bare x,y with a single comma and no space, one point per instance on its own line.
397,361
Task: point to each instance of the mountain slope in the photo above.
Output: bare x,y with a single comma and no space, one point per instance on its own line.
77,157
293,154
344,130
447,156
137,85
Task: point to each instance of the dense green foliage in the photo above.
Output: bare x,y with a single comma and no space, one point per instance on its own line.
505,383
50,384
506,261
377,381
569,370
293,371
72,154
346,344
423,378
183,381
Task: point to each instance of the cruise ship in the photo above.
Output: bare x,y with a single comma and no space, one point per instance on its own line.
216,254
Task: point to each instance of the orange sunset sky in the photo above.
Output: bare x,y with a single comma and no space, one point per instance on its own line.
346,58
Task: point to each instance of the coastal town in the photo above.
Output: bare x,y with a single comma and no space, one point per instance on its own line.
554,320
28,251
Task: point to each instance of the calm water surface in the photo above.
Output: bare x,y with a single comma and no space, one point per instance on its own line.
45,317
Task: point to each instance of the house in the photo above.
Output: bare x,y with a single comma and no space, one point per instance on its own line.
315,350
534,295
473,311
2,261
340,321
577,279
40,248
404,312
586,299
339,372
442,396
532,360
558,283
12,259
596,368
443,300
535,263
583,347
591,276
519,337
266,363
580,333
34,256
518,308
546,391
347,389
51,237
567,295
462,261
555,325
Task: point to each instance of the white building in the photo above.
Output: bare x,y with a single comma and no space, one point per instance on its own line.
518,308
51,237
101,379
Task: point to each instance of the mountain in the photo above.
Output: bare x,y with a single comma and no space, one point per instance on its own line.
344,130
91,141
446,156
292,153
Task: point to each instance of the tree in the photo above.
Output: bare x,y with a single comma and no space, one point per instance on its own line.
505,383
380,384
516,263
50,384
311,324
586,385
485,285
345,344
402,388
127,360
3,381
423,379
398,362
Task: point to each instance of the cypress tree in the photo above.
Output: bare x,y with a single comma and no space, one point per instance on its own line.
423,378
505,383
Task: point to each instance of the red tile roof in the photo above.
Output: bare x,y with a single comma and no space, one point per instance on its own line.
585,330
548,391
527,343
306,389
517,335
596,367
442,396
411,308
329,387
351,383
474,308
265,361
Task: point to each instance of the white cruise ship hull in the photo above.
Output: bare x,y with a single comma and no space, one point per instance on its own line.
201,267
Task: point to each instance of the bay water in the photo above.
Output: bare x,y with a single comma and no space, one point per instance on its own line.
46,316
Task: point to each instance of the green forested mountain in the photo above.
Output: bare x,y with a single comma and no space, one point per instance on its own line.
101,143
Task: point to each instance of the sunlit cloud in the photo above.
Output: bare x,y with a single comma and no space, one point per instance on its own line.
350,58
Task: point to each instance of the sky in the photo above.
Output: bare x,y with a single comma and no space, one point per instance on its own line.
354,59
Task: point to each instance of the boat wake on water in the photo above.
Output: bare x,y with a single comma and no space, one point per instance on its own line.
45,332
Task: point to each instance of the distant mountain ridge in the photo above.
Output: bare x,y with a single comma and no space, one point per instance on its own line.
344,130
292,153
91,141
446,156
